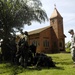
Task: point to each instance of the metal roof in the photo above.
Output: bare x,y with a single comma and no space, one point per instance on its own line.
37,30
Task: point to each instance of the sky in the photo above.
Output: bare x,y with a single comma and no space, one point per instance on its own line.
67,10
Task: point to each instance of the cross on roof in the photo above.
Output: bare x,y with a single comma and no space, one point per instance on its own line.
55,5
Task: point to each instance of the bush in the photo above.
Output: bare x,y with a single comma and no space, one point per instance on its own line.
67,45
68,50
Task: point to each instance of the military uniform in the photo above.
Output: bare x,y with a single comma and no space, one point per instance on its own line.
73,47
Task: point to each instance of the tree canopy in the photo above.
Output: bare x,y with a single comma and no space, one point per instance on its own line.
17,13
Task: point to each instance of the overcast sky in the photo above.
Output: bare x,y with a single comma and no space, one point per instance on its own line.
67,10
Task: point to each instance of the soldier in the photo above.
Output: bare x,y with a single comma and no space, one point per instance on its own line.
42,60
72,45
24,48
18,52
13,50
33,49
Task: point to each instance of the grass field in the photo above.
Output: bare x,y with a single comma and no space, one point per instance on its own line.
64,66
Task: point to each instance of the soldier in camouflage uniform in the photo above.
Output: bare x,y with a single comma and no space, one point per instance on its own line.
72,45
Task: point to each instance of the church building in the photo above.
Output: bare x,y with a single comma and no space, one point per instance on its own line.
50,39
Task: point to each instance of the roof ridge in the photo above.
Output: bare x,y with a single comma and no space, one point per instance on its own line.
37,30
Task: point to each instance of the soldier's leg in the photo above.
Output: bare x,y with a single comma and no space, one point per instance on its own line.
73,56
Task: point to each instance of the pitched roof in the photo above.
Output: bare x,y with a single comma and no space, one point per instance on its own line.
38,30
55,13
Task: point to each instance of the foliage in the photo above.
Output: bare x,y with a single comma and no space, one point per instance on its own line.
68,44
63,62
17,13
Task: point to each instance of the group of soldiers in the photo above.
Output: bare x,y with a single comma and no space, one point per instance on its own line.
19,52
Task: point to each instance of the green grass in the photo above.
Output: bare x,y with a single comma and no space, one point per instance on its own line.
64,66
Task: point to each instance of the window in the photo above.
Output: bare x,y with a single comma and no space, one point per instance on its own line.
61,44
36,43
53,21
46,43
55,44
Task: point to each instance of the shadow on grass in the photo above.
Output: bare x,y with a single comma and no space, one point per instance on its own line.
10,69
34,68
15,70
41,68
59,68
64,63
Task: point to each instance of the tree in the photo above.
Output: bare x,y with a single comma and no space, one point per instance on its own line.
17,13
14,14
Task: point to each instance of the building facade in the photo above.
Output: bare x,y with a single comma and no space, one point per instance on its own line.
50,39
